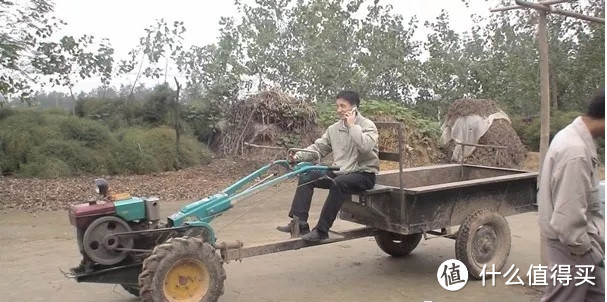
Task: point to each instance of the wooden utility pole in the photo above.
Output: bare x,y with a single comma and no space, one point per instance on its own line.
544,8
542,38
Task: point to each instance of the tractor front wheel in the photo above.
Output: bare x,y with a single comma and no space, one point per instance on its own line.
133,290
184,269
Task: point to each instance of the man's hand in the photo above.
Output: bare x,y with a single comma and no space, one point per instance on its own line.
292,158
350,117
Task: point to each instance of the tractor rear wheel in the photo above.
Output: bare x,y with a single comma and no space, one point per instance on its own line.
182,269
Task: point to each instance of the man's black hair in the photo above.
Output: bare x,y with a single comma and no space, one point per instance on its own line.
596,108
350,96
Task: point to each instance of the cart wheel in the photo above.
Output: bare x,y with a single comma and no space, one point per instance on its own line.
182,269
397,245
483,239
131,289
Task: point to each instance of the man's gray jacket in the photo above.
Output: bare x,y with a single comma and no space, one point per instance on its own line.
568,197
355,148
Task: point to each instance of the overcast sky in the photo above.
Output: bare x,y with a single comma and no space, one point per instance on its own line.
122,22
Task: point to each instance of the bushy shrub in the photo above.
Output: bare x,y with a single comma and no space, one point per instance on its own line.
79,158
20,133
6,112
530,132
46,168
4,162
89,132
138,143
41,144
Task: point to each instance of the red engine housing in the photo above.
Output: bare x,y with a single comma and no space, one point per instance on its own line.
82,215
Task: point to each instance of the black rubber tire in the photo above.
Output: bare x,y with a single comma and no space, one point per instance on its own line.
131,289
495,236
397,245
156,266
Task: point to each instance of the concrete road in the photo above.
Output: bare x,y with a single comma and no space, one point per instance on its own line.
35,246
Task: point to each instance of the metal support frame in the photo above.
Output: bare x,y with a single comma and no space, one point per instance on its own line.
444,233
464,145
397,157
237,251
126,274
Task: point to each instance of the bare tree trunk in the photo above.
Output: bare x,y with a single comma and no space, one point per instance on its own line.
72,94
166,69
177,128
260,84
137,77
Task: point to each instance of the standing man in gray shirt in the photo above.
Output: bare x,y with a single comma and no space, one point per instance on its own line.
353,140
570,215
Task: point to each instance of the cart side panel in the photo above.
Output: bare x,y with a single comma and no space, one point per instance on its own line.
381,211
415,177
478,172
439,209
441,175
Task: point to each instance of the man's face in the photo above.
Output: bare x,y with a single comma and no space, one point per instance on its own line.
342,107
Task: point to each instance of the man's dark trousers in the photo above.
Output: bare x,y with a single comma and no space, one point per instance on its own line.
344,186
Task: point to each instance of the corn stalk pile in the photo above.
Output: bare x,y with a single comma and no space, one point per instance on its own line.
270,117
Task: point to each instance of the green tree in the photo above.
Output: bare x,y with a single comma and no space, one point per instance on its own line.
214,72
29,54
161,43
388,58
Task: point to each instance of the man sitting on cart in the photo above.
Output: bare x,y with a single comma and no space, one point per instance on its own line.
353,140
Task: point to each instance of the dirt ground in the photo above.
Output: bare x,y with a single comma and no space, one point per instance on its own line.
36,246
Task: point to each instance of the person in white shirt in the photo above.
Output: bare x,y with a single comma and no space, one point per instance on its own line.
570,216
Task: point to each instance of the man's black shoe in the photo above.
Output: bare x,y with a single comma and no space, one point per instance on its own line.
303,228
315,236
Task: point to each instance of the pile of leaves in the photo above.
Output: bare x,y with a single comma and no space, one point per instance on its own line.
501,133
269,117
176,186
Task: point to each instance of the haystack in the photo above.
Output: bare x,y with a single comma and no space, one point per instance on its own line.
269,117
500,133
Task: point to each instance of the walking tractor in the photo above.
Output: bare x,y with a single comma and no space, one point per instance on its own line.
123,240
